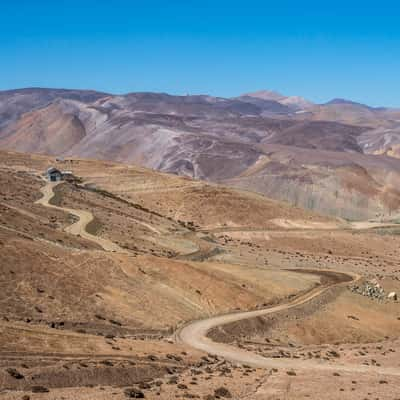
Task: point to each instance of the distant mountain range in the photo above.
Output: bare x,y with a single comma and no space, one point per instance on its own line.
293,103
339,158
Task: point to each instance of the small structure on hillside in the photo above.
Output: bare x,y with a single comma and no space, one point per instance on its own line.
54,174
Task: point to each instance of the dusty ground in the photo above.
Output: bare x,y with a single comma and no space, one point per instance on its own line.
85,323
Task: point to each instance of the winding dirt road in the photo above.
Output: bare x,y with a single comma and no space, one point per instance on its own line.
79,227
195,334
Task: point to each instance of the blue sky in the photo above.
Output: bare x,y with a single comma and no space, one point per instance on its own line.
316,49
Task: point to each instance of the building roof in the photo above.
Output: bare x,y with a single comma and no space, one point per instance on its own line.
53,170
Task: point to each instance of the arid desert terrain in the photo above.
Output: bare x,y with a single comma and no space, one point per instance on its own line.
126,282
340,158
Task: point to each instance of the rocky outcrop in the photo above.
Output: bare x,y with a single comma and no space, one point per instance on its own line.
373,290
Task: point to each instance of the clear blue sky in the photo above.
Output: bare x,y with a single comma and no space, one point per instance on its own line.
315,49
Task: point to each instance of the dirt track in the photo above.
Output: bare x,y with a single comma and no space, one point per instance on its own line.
195,334
78,228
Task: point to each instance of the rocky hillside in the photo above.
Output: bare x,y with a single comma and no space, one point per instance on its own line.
338,158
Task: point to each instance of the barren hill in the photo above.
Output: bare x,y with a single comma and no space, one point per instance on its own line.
329,162
100,276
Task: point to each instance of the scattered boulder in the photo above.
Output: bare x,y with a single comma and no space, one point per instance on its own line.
182,386
134,393
392,296
173,380
333,353
14,373
222,392
39,389
353,317
291,373
174,357
144,385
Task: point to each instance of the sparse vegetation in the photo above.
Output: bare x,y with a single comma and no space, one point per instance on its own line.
99,323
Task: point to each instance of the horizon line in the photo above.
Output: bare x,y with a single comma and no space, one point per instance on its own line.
175,94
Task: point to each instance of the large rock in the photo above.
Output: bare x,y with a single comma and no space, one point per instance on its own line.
392,296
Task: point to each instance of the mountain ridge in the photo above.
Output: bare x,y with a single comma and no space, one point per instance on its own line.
220,140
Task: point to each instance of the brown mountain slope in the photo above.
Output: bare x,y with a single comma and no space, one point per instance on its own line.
350,185
48,131
14,103
78,321
223,140
321,135
65,278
